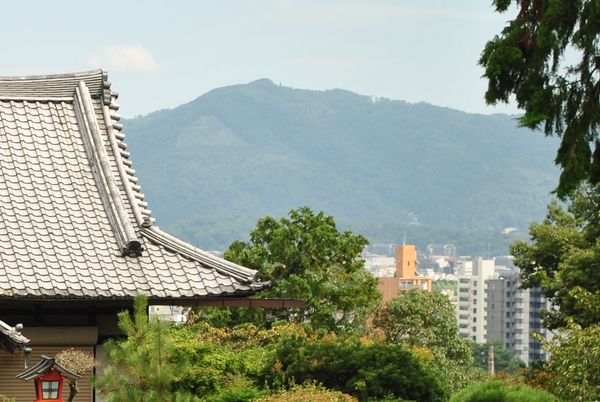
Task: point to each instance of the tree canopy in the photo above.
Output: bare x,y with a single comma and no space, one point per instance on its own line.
564,259
426,321
573,371
548,58
306,257
367,370
505,360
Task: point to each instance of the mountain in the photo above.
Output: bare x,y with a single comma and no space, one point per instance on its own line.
210,168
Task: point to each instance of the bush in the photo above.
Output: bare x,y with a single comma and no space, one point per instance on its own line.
309,393
496,391
364,370
240,390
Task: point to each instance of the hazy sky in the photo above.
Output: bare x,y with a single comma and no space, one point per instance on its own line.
160,54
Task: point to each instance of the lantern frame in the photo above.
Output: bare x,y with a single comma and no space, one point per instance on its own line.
47,371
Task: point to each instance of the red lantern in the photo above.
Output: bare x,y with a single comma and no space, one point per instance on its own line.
48,379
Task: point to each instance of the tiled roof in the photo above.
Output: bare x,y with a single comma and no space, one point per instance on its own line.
45,366
73,220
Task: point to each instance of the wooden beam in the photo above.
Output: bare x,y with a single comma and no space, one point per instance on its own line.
232,302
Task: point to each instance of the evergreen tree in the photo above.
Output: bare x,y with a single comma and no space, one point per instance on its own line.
548,57
142,367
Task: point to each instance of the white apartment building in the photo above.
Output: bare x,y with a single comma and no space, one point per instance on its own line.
492,306
514,315
471,314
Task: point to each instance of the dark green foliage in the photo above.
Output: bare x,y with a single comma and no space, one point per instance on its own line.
564,259
365,370
496,391
547,57
505,361
306,257
213,167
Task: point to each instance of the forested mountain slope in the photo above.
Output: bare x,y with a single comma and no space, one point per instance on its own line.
212,167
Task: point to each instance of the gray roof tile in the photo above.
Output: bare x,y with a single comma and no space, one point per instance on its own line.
61,226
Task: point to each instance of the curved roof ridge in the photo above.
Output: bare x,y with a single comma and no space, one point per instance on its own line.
49,87
124,164
79,75
94,144
187,250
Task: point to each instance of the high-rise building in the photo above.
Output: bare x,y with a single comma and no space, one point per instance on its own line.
513,316
492,307
406,276
471,314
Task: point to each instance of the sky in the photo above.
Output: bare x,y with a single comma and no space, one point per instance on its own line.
160,54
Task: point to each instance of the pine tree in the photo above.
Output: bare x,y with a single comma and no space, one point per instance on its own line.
142,367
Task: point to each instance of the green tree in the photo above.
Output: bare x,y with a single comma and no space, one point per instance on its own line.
427,320
306,257
573,371
141,367
504,360
563,259
366,370
531,59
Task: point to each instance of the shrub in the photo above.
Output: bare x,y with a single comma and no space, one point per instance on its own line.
497,391
309,393
240,390
364,370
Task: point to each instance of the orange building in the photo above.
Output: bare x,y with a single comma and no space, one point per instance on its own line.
406,276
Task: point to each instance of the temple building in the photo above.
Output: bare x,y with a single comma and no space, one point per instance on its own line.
77,240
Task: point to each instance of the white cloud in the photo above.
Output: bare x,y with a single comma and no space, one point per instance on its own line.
128,58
